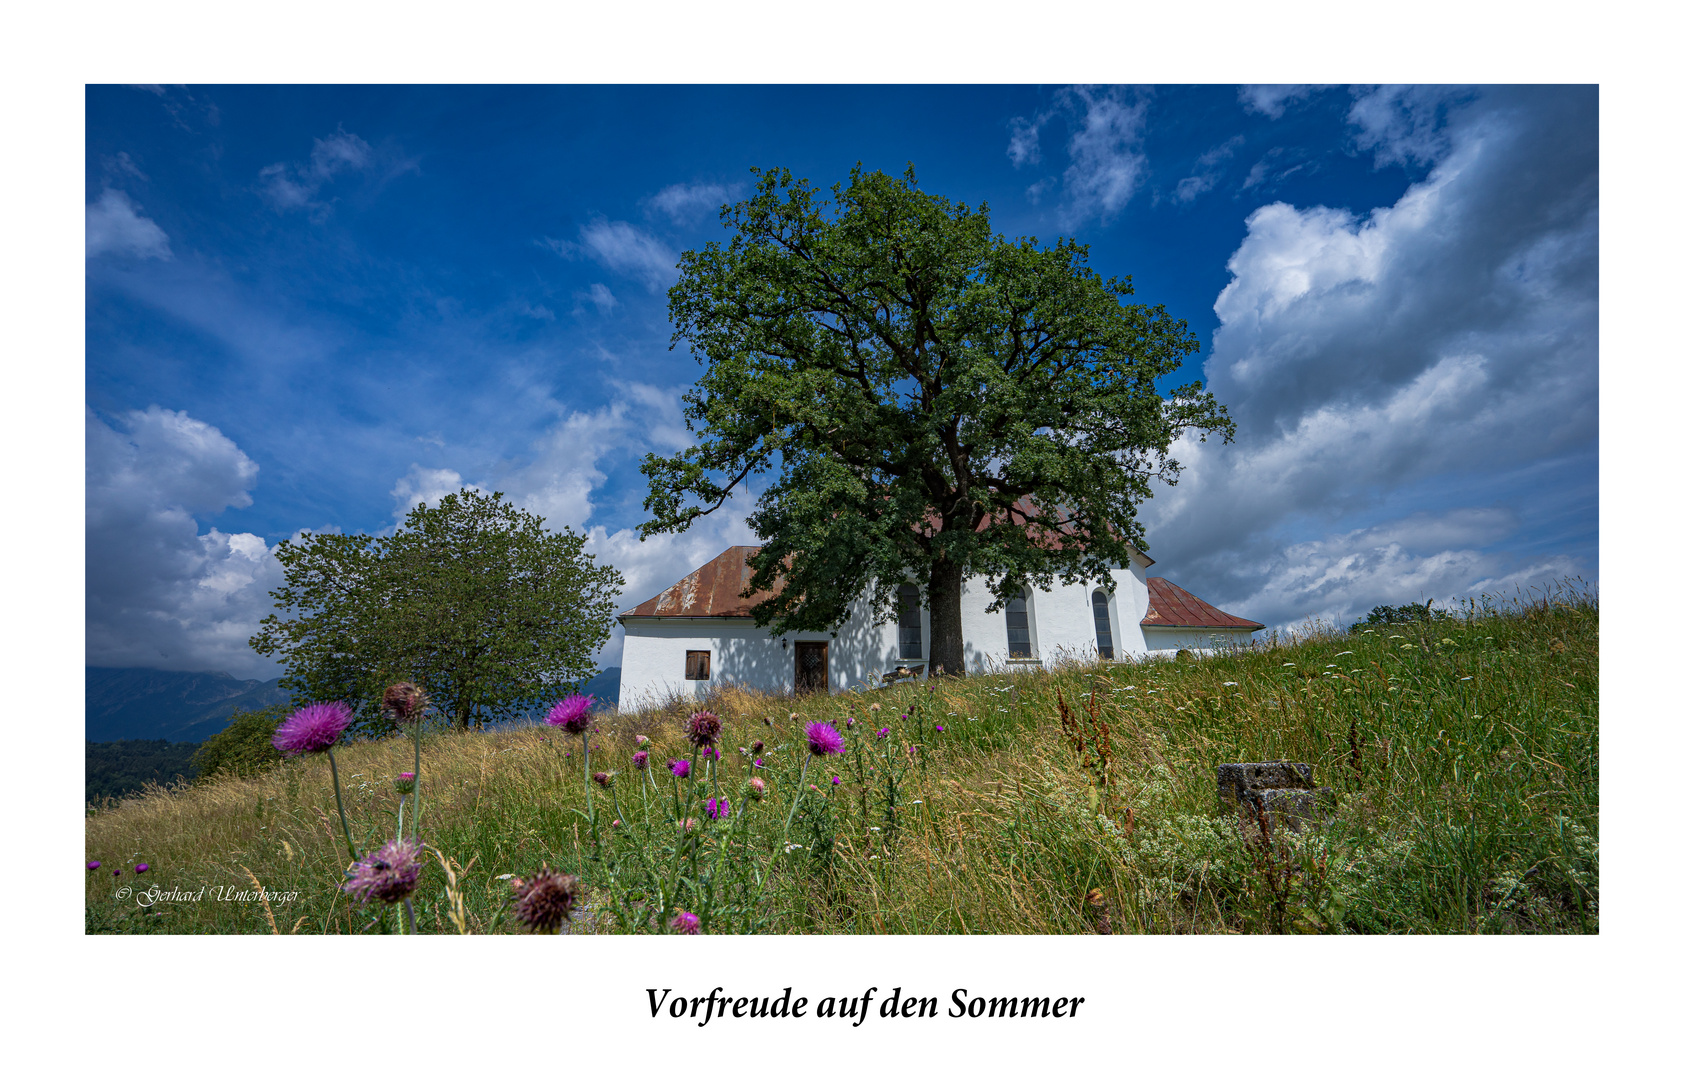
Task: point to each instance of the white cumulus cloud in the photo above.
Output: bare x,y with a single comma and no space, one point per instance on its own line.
1400,362
112,226
687,203
160,592
292,186
624,249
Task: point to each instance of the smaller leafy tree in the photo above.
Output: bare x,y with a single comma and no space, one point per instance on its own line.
472,600
244,748
1386,615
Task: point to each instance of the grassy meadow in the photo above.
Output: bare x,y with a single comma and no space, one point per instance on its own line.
1463,756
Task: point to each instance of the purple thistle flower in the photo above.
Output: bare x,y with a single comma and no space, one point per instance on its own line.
756,788
571,714
687,923
718,808
822,738
389,874
603,779
680,768
759,763
141,868
883,731
116,872
836,780
758,747
313,729
405,783
640,759
939,727
702,729
711,753
94,864
545,901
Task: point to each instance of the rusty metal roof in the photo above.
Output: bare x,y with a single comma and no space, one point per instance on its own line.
1170,605
709,592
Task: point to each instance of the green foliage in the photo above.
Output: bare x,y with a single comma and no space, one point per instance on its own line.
472,600
244,748
937,401
116,769
1386,615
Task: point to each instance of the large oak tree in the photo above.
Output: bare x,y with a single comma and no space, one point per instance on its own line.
934,402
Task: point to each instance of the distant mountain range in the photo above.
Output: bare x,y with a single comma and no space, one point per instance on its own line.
179,706
192,706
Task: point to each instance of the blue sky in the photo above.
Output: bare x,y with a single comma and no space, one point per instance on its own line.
308,306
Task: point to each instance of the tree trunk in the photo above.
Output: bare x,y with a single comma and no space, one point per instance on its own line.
942,596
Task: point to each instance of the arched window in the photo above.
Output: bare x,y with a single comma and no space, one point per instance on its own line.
1019,629
908,630
1104,625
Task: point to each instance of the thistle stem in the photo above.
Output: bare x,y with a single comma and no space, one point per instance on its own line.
336,782
417,774
800,786
588,800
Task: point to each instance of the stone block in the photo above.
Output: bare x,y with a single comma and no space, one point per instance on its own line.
1235,781
1294,807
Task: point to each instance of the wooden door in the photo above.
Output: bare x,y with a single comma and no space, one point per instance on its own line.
811,666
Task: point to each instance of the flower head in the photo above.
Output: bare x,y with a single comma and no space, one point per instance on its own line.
680,768
405,702
702,730
640,759
141,868
314,728
405,783
883,731
756,790
545,901
389,874
836,781
875,706
758,748
939,727
711,753
642,740
94,864
571,714
718,808
687,923
822,738
116,871
603,779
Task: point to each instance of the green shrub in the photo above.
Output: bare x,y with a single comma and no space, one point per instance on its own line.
1385,615
244,748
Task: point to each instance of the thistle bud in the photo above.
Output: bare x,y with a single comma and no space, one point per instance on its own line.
756,789
405,702
405,783
603,779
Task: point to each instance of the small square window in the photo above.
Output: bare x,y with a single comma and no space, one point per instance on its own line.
697,664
